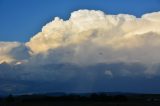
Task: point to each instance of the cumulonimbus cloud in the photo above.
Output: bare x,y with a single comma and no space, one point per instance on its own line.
89,46
90,37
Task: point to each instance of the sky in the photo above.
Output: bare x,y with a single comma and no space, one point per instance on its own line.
79,46
22,19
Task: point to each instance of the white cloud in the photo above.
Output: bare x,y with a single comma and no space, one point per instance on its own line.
88,38
91,37
5,49
13,51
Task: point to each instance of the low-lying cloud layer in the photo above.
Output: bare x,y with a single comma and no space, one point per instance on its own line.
90,40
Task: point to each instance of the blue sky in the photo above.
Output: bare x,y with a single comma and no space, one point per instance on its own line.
22,19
